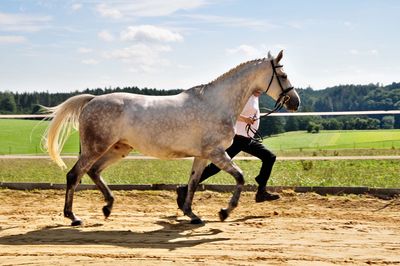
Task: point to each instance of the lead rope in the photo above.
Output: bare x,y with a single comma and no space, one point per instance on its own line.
278,106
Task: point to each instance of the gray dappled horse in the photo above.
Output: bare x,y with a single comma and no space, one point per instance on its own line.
198,122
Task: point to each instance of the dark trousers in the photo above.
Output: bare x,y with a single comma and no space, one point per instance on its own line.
257,149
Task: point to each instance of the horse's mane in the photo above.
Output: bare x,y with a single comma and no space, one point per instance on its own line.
234,70
199,89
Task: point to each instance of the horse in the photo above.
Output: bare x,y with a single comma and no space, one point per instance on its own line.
198,122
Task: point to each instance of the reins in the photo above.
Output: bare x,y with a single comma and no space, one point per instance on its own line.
280,102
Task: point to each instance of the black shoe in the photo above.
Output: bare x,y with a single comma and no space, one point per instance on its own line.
180,199
262,196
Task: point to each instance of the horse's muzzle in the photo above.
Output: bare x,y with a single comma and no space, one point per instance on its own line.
292,104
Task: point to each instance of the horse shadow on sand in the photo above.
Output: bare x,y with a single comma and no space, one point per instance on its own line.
170,236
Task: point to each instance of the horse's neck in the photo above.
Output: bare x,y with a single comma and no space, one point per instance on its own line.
230,94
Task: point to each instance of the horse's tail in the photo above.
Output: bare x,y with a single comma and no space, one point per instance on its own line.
65,117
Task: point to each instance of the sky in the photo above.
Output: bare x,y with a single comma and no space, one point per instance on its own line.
62,46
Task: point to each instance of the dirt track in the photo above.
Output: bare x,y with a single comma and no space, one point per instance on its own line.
146,228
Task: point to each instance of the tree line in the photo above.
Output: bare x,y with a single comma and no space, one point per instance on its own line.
29,102
338,98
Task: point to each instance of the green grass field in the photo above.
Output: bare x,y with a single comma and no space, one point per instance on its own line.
334,139
371,173
24,137
19,136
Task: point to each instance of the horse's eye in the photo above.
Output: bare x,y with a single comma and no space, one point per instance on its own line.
283,76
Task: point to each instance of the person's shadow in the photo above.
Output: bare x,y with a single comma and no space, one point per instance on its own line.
168,237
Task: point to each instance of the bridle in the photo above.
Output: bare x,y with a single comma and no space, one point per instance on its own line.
280,102
283,96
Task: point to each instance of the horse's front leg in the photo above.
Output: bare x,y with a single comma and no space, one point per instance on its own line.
221,159
197,169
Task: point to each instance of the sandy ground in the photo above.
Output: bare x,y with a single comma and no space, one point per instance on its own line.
146,228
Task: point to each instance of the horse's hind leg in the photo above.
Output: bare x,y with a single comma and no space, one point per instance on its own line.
222,160
89,156
197,169
114,154
73,177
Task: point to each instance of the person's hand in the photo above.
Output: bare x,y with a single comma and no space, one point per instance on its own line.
248,120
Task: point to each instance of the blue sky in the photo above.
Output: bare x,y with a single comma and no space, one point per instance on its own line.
73,45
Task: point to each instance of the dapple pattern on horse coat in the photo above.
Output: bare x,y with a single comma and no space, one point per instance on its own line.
198,122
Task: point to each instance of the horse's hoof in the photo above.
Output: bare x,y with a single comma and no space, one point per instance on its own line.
106,211
196,221
76,223
223,214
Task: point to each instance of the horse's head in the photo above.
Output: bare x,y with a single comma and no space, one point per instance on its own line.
277,84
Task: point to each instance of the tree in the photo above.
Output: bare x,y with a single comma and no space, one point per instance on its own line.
396,121
332,124
292,124
387,122
271,125
313,127
7,103
373,123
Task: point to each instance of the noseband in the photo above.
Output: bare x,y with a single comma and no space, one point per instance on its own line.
280,102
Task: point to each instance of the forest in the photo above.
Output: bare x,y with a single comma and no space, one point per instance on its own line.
338,98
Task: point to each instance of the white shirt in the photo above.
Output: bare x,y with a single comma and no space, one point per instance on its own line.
251,109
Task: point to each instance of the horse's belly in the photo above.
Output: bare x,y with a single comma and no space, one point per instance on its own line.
164,150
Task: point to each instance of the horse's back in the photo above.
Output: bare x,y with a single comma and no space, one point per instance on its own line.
161,126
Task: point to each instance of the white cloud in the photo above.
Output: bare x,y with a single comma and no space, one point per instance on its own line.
84,50
12,39
137,52
350,25
150,33
108,12
244,49
144,8
76,6
364,52
233,21
106,36
24,23
374,52
354,52
90,61
141,57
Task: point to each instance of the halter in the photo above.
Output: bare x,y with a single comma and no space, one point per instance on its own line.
280,102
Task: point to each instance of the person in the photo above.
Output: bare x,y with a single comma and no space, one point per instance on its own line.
243,141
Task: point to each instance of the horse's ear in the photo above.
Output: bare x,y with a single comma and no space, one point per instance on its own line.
279,57
269,55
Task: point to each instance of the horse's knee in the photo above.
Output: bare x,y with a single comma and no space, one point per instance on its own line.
72,178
